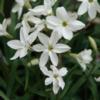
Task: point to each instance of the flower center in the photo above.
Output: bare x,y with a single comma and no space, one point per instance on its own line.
55,76
90,1
64,23
50,47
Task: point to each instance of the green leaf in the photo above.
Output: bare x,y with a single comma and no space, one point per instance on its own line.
4,96
93,88
77,85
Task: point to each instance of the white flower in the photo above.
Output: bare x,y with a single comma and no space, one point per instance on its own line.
3,28
39,24
19,6
50,47
84,58
90,6
23,45
45,9
64,23
97,79
28,18
54,77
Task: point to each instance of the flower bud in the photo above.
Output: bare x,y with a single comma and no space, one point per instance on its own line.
93,44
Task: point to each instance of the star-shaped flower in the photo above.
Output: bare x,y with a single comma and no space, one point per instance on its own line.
23,45
90,6
29,18
54,76
45,9
84,58
19,6
50,47
64,24
3,28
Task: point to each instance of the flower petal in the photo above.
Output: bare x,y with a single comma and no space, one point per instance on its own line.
55,87
52,22
76,25
61,82
23,35
92,11
97,6
83,8
26,26
44,39
15,8
45,71
67,34
32,37
54,38
53,58
16,55
48,81
15,44
38,48
38,10
43,59
62,13
83,66
20,12
63,71
61,48
23,52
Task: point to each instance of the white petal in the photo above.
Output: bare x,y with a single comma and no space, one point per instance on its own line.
43,59
38,48
15,44
62,13
20,2
23,52
67,34
53,1
54,58
61,82
97,79
20,12
4,24
47,3
48,81
73,15
83,66
26,26
55,87
76,25
97,6
63,71
44,39
16,55
38,10
35,20
54,38
40,27
61,48
54,69
15,8
32,37
83,8
45,71
92,11
52,22
23,35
